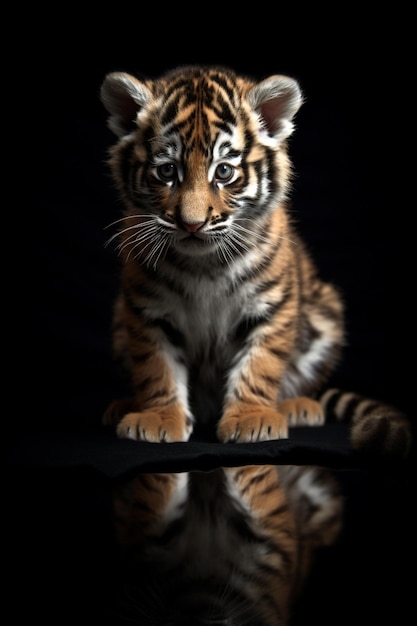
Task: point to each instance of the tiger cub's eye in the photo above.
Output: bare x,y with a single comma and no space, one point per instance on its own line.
224,172
167,171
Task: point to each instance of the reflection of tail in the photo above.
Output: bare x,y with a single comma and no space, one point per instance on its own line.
376,427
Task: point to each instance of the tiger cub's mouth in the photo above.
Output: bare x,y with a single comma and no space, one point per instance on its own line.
198,242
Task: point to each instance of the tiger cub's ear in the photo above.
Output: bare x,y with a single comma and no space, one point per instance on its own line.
276,100
123,96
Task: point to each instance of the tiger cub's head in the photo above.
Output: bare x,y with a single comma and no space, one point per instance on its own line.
201,155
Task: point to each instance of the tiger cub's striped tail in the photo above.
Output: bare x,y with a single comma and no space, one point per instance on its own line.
377,428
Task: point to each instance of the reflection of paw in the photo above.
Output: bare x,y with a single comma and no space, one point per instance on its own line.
244,423
155,426
302,411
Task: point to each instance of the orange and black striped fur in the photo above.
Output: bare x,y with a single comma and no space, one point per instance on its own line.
229,547
222,318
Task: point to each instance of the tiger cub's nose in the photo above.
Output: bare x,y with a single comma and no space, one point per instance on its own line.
192,228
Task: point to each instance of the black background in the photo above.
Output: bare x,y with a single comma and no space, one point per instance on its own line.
348,201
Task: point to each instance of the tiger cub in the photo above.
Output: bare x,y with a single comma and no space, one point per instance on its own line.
233,547
222,318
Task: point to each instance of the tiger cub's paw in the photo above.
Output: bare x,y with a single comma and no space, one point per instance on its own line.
302,411
246,423
157,425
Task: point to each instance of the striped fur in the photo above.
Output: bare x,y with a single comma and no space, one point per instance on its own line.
233,546
222,317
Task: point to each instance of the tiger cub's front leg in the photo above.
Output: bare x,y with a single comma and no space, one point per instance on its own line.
159,411
252,412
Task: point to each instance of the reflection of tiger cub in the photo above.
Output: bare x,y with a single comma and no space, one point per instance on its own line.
228,547
221,314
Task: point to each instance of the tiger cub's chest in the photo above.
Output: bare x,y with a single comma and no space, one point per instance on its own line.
207,315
